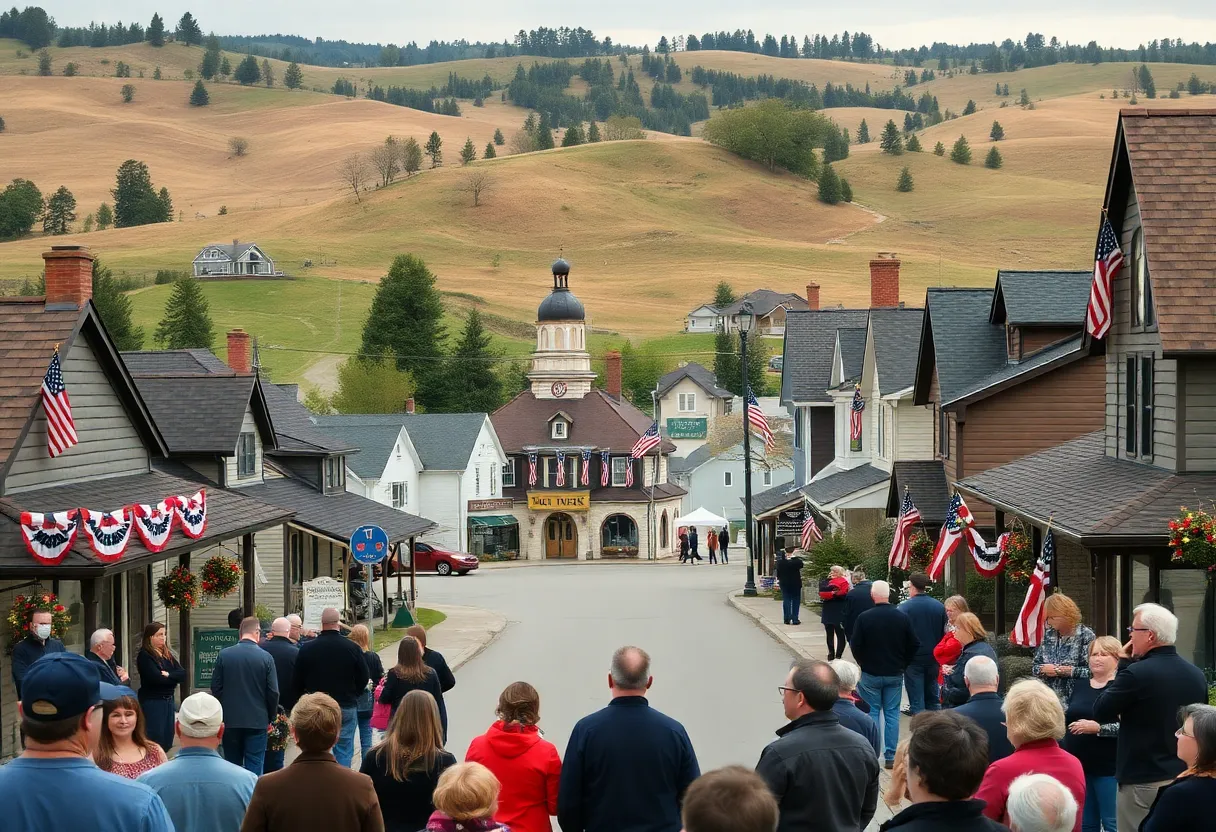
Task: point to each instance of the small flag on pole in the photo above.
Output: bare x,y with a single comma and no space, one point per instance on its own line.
1108,259
60,428
1028,632
810,529
959,527
649,439
757,419
585,474
901,547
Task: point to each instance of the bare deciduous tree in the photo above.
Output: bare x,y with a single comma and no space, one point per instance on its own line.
477,183
726,432
239,145
385,159
523,141
353,172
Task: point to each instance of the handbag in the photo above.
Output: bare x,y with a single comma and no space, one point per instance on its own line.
381,711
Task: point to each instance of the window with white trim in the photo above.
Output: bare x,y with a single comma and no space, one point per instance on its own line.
728,479
619,466
400,494
688,402
477,481
559,429
767,477
508,473
246,455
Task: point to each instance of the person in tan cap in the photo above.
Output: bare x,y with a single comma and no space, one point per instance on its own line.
201,790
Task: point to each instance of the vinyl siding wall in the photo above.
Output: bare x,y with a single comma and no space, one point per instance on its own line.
231,464
441,503
913,430
1197,445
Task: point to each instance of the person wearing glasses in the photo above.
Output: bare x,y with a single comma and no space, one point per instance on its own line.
1153,682
1190,801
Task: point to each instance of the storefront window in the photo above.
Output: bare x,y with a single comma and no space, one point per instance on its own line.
494,542
619,537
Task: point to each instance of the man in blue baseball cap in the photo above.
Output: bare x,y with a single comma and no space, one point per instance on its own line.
54,784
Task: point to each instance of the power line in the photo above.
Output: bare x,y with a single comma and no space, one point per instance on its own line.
486,358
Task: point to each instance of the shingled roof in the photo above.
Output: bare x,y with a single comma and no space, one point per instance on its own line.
925,481
764,301
194,362
896,337
1041,298
701,376
203,414
827,490
852,344
596,420
1171,155
959,342
444,441
336,516
294,430
810,341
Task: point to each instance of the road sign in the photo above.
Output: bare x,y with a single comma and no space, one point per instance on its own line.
369,544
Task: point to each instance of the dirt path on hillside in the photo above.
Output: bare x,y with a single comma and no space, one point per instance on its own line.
323,374
878,218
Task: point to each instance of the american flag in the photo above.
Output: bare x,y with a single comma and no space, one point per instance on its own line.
585,476
959,526
649,439
810,530
60,429
531,469
1028,632
909,516
629,472
757,419
605,468
561,468
1108,259
856,409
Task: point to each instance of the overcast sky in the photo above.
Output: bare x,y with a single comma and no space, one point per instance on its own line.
892,23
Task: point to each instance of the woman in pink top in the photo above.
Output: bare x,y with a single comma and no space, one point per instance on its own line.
124,748
525,763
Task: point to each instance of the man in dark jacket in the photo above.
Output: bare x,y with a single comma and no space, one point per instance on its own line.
627,766
333,664
929,623
884,644
34,646
284,652
693,542
246,684
824,776
723,543
984,706
789,578
857,601
1153,682
845,708
101,652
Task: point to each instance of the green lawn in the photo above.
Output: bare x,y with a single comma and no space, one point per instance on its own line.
427,618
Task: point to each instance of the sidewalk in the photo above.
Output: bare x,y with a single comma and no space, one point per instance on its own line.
462,635
809,640
516,564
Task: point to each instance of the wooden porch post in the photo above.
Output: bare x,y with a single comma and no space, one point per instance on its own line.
413,579
186,638
1000,579
384,580
288,564
248,599
88,599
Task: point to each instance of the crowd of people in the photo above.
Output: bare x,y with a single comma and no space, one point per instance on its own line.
1102,736
715,542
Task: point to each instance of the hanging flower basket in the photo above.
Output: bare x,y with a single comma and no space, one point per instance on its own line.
221,576
179,589
1019,554
21,614
1193,538
920,550
278,732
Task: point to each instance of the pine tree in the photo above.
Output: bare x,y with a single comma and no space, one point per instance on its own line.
1146,82
60,212
997,133
490,151
45,68
434,149
188,30
114,307
210,65
829,185
593,133
187,321
726,362
225,67
863,133
468,153
499,139
993,159
891,142
573,136
411,156
544,133
199,97
757,362
909,123
961,152
166,205
293,79
724,295
156,31
473,385
156,74
128,93
905,183
135,200
267,73
971,108
939,149
105,217
406,319
914,144
846,190
1024,99
247,71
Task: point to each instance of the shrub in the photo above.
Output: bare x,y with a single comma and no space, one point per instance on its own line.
223,212
128,93
69,70
239,145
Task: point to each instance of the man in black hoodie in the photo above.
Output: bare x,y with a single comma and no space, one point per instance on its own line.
857,601
884,644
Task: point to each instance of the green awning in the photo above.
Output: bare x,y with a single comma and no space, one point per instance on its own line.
494,520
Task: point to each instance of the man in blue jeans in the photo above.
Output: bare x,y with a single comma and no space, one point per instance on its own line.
247,686
928,616
334,665
884,644
789,578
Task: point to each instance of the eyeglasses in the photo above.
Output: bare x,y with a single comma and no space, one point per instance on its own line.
1131,630
782,690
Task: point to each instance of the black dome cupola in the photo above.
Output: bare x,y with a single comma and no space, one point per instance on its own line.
561,304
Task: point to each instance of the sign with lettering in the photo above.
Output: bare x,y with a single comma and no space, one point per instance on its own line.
789,522
369,544
559,500
207,647
319,595
687,428
491,505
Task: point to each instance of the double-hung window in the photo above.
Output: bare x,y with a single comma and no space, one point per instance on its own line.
400,494
688,402
619,466
246,455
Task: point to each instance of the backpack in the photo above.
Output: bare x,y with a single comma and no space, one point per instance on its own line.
827,590
381,711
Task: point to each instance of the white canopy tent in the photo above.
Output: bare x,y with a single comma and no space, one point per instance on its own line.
703,517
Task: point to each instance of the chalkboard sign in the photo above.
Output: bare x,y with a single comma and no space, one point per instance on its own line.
207,647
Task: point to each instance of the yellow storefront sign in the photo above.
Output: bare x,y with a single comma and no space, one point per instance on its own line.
559,500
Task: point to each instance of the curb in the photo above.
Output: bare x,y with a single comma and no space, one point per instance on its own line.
491,635
763,623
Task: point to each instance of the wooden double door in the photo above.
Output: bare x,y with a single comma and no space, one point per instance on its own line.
561,537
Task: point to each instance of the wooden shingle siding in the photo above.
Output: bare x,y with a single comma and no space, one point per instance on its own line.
1200,415
108,446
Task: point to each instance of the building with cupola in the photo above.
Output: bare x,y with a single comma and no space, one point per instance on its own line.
570,488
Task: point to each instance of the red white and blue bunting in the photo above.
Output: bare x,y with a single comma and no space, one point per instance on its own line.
49,537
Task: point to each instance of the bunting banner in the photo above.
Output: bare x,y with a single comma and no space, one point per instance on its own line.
108,532
154,524
531,469
48,537
192,514
585,476
605,468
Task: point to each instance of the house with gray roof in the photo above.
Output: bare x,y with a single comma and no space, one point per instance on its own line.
714,481
687,401
768,306
236,260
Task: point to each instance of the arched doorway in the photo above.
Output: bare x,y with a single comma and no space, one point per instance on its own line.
561,538
619,537
663,531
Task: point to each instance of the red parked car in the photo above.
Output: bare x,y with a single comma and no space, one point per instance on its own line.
430,558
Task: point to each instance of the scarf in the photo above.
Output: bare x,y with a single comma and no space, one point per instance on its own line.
440,822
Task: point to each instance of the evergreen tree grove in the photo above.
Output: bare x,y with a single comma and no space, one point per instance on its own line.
187,321
573,136
114,307
544,133
473,385
247,71
135,200
891,142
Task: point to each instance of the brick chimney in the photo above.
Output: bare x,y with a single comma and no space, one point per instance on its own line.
884,281
69,276
238,351
812,295
409,405
612,374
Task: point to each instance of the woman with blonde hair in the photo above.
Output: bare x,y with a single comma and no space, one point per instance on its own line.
973,641
1092,743
466,800
947,651
1063,655
1190,801
411,673
525,763
124,748
159,675
361,636
1034,719
406,765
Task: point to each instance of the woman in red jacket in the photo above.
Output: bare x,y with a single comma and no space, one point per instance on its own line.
526,764
948,650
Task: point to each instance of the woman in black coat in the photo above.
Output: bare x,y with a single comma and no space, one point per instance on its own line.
972,635
832,610
1190,801
159,675
683,547
411,673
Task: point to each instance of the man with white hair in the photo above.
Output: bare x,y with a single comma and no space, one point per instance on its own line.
983,680
1041,803
101,651
846,709
201,790
1153,682
284,651
884,644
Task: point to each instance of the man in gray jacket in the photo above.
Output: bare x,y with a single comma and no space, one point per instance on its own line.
247,685
824,776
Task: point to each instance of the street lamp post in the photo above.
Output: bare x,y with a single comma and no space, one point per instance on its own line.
745,325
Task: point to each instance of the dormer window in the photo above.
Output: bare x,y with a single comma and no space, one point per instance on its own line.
246,455
1143,313
559,429
335,473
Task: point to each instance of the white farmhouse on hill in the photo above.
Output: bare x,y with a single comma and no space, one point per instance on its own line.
236,259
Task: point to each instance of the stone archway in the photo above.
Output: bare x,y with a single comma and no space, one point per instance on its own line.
619,537
561,536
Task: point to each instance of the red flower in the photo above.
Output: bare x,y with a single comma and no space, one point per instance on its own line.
1186,523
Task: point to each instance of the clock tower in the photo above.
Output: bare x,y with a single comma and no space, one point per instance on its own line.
561,365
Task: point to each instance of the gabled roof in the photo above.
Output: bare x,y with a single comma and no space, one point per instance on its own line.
598,421
1057,355
830,489
708,307
295,433
1041,298
766,300
959,342
203,414
444,441
851,343
234,251
375,444
810,341
336,516
925,481
690,463
698,374
779,496
1171,158
196,362
896,337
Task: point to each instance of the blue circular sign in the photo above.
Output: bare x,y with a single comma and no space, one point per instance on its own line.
369,544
